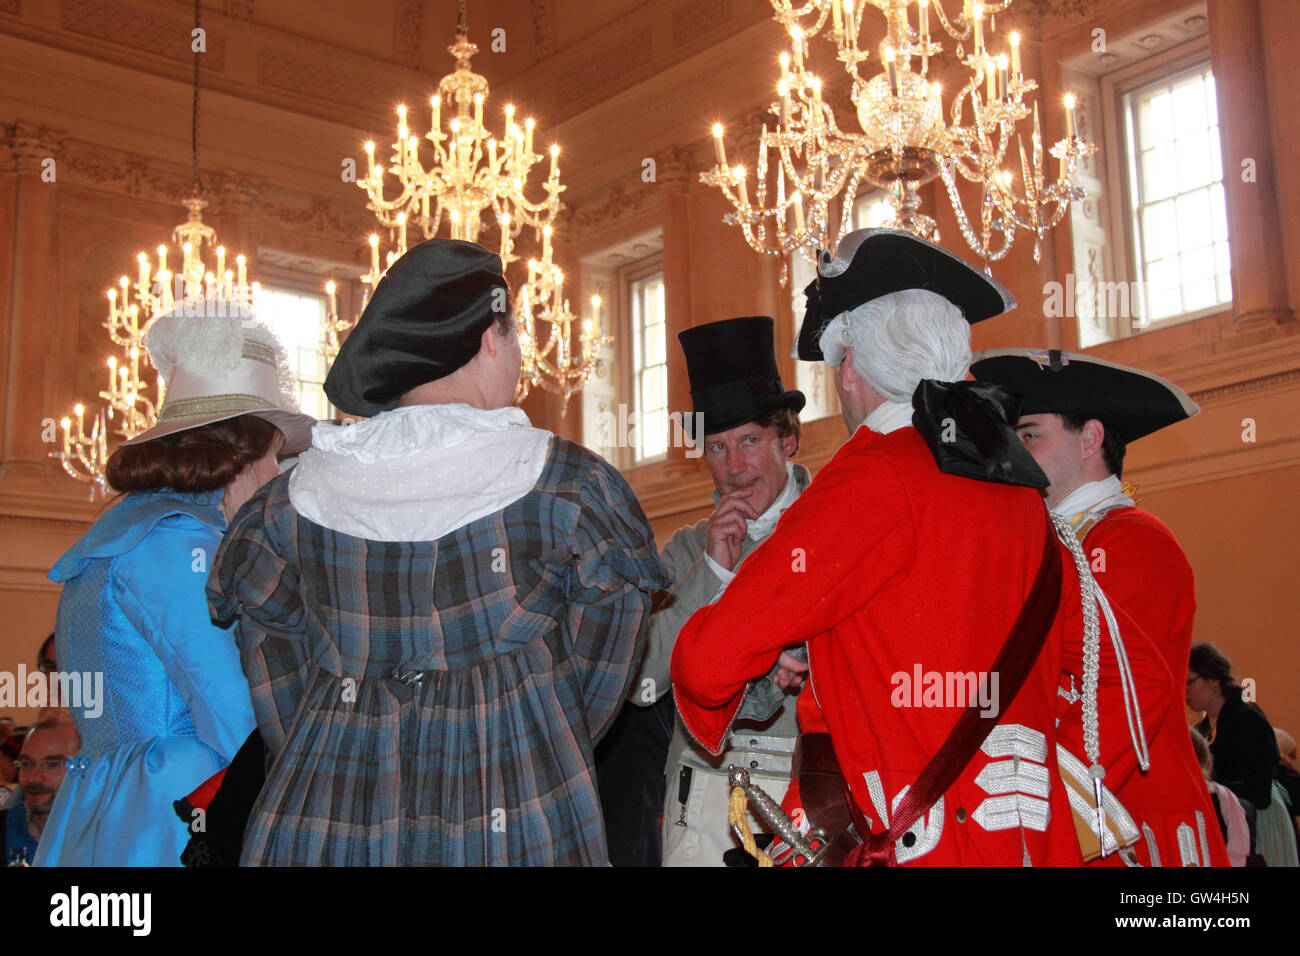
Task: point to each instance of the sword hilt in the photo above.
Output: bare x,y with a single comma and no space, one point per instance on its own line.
772,814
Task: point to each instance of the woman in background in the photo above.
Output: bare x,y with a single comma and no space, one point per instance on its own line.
174,706
1244,749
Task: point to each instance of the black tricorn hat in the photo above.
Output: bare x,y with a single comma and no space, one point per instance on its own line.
873,262
1132,402
733,373
424,321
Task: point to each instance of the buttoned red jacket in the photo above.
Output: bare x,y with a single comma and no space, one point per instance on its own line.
882,565
1138,563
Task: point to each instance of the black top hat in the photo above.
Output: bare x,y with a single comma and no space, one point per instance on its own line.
424,321
874,262
733,373
1132,402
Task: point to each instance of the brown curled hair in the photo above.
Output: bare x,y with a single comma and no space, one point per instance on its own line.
786,422
198,459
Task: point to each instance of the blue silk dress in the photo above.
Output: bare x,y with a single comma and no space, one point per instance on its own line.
175,705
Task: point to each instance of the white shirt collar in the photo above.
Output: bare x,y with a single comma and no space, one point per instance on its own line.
759,528
889,417
1093,496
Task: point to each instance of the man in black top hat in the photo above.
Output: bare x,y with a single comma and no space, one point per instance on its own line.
750,431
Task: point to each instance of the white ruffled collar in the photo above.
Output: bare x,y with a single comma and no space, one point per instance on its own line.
419,472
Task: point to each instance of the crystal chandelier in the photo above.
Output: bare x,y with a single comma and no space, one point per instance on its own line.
473,174
131,400
904,141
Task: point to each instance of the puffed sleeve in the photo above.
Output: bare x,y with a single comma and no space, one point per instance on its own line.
694,585
613,575
158,585
253,585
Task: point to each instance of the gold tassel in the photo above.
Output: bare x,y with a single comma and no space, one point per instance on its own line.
737,813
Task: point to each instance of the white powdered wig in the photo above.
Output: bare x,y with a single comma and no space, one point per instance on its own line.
900,339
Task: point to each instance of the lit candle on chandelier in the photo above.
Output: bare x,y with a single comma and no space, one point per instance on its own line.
991,74
796,35
126,297
162,259
510,120
80,411
528,134
242,265
1002,76
144,271
1015,54
555,160
478,109
892,70
783,91
230,284
221,260
112,304
329,291
1069,116
67,438
435,106
595,318
546,243
977,10
719,148
837,17
370,159
924,21
112,377
784,60
796,202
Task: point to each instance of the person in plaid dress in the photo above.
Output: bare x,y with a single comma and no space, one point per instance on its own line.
440,610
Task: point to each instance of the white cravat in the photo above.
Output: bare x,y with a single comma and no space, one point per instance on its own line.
1092,497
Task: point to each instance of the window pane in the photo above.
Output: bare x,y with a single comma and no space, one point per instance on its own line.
1199,287
654,344
1194,168
1159,230
1194,219
1189,106
298,321
1158,181
1156,120
1218,213
1163,298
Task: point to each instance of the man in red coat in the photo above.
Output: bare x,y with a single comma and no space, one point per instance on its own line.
1077,415
905,577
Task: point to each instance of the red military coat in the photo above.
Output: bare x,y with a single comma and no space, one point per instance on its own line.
886,565
1139,564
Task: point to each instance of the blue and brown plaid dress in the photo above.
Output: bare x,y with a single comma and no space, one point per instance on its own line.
438,702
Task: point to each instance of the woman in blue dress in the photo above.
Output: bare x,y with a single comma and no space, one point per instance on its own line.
175,704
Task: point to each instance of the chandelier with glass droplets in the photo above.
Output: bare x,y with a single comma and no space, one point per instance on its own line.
473,175
131,400
809,170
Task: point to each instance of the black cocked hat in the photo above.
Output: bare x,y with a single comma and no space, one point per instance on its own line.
733,373
870,263
1052,381
424,321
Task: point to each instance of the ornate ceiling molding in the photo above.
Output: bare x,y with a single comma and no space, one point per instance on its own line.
616,60
142,29
543,27
408,28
